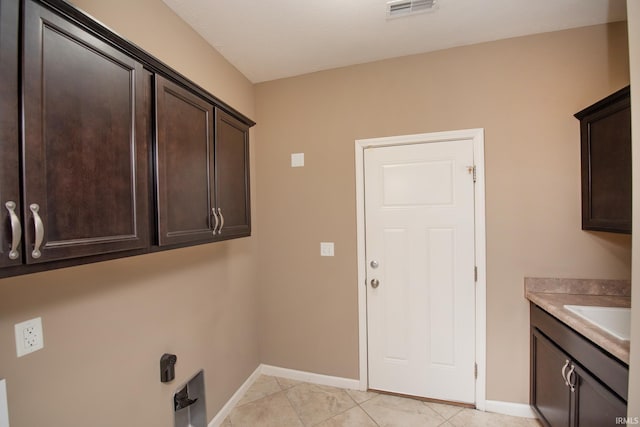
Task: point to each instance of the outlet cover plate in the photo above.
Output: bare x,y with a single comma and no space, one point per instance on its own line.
297,160
326,249
29,337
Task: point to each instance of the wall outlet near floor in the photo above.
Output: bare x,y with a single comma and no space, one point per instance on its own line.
29,336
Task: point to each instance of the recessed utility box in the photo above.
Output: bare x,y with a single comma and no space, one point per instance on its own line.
189,405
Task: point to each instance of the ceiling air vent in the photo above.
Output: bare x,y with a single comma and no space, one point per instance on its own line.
398,8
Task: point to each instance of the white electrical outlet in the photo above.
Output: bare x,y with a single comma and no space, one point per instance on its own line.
29,337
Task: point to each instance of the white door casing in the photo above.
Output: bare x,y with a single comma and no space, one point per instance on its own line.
425,272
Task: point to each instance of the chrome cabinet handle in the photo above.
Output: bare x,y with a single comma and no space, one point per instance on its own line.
571,384
16,230
375,283
221,220
39,231
215,216
564,373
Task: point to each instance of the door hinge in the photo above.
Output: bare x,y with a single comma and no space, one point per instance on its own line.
475,370
472,171
475,273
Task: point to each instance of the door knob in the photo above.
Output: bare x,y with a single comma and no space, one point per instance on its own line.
374,264
375,283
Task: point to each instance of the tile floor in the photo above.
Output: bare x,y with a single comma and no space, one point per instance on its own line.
278,402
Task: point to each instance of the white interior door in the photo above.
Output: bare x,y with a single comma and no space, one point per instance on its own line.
419,210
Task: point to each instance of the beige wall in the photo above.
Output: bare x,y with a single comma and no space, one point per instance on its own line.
633,17
524,93
107,324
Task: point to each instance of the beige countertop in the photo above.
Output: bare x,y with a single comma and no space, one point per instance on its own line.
553,294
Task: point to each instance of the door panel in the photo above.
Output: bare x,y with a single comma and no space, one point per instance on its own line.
595,405
551,396
419,227
232,175
85,161
184,158
9,138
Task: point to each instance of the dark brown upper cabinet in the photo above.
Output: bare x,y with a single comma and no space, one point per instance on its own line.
184,163
85,164
202,163
11,229
605,141
104,150
232,176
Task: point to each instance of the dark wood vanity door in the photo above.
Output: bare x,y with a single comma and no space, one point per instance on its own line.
85,142
550,396
232,175
10,207
595,404
184,157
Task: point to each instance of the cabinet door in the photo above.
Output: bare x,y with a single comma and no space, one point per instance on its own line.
232,175
11,228
550,396
184,157
605,130
85,143
595,405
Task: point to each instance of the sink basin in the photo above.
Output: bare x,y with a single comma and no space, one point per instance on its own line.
614,320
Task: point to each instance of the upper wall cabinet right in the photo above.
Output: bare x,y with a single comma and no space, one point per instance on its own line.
605,141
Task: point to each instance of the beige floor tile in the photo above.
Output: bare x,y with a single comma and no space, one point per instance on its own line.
274,410
354,417
392,411
446,411
262,387
286,383
226,423
316,403
471,417
361,396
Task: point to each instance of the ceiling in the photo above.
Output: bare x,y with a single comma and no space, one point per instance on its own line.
272,39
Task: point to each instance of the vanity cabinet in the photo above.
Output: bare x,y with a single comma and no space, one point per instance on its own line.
605,145
10,209
573,382
85,161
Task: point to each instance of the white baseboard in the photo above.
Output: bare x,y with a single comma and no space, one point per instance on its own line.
508,408
310,377
231,403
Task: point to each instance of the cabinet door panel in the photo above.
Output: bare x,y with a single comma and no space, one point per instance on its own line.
595,405
9,142
85,161
184,156
232,175
549,394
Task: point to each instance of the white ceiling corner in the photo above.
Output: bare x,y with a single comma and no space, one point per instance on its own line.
272,39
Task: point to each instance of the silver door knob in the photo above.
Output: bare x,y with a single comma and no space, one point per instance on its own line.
374,264
375,283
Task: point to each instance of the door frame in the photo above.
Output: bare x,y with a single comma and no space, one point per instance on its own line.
477,137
